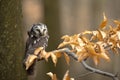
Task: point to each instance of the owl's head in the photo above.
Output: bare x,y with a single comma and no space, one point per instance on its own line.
38,30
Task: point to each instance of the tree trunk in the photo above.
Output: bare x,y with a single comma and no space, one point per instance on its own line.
11,41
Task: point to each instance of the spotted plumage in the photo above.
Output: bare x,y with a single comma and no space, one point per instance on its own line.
38,37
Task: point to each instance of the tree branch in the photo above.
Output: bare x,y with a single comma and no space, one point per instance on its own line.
75,57
87,67
113,76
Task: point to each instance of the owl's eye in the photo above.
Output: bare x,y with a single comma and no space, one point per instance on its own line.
44,30
37,30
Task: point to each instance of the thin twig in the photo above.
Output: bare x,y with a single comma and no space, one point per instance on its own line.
87,67
83,75
114,77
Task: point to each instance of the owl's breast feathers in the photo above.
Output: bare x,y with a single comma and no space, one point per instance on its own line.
33,44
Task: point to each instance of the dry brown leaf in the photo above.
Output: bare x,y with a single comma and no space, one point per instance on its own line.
90,49
117,22
99,36
96,60
73,44
87,32
47,56
97,48
43,54
63,44
111,31
58,54
104,35
30,60
82,56
75,37
94,35
36,52
105,56
115,50
66,38
66,76
53,76
104,23
79,49
67,58
84,39
118,25
114,42
102,52
118,35
54,58
81,43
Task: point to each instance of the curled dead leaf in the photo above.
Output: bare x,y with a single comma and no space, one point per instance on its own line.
63,44
66,38
58,54
104,23
54,58
53,76
42,54
67,58
84,39
96,60
82,56
105,56
90,49
36,52
67,77
87,32
29,61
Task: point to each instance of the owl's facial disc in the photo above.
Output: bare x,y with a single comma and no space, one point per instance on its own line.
39,30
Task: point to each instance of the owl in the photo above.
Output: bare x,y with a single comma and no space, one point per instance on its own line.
37,37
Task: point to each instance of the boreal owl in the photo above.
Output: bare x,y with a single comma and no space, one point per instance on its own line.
38,37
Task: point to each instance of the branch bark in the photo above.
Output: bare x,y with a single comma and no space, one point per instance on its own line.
87,67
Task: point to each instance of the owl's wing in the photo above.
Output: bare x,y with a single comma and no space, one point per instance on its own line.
33,44
29,44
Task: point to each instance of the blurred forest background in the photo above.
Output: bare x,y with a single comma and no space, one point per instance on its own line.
62,17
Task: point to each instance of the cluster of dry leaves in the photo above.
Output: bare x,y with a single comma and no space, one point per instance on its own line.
88,44
95,44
